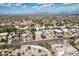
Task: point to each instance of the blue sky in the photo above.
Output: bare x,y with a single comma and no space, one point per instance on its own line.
39,8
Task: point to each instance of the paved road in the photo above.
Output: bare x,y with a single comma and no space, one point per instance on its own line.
49,40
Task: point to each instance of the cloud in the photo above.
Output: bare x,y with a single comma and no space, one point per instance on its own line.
51,8
41,8
12,5
5,5
34,7
46,5
66,3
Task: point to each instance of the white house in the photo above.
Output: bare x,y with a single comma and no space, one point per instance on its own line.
64,49
38,27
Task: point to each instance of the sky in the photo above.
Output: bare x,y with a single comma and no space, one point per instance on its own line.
39,8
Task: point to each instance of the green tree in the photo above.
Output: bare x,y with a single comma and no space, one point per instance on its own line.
39,50
0,54
72,42
17,46
3,46
33,33
18,54
45,45
43,36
